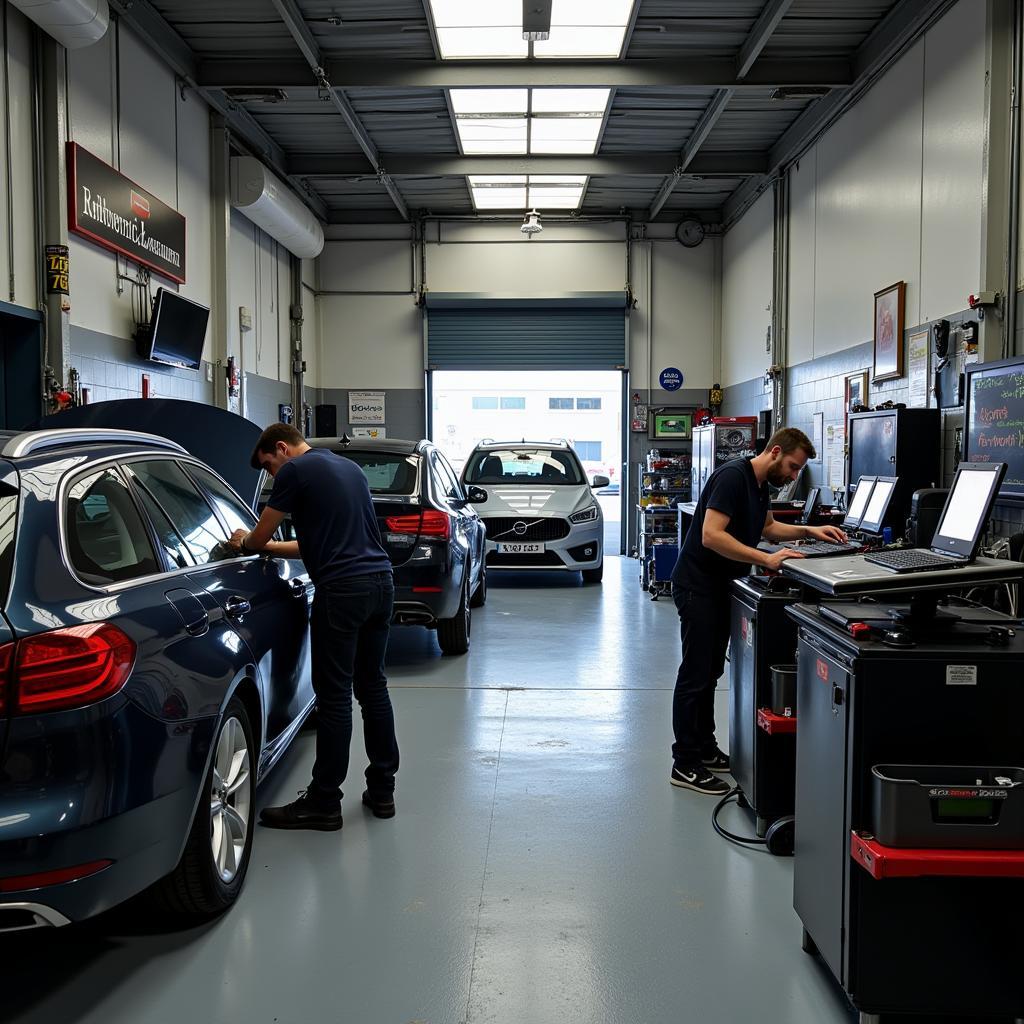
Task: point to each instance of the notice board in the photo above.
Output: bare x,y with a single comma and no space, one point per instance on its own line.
994,420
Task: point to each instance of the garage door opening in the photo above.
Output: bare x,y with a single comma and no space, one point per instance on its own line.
581,407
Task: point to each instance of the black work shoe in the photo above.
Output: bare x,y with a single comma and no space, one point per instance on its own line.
303,813
716,762
700,780
382,807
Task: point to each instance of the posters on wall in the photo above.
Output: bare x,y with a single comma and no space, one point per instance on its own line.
917,358
835,455
366,407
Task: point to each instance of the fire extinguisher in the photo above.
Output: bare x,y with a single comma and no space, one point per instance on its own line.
232,375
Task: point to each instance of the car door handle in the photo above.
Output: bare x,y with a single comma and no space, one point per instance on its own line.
237,607
298,587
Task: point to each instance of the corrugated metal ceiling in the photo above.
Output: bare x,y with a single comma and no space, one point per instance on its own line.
404,119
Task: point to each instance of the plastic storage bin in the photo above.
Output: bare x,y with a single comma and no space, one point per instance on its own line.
948,806
784,689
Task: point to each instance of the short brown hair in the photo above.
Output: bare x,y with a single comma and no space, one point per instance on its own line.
269,439
789,439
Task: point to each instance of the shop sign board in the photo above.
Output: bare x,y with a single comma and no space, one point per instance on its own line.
116,213
366,407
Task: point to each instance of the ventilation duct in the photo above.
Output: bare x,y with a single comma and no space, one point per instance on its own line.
73,23
272,206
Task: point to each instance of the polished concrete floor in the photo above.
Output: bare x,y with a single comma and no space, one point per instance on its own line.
540,870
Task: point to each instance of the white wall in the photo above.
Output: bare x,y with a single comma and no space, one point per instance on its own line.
747,293
19,165
892,192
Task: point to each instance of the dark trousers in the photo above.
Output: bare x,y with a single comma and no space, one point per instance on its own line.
704,628
349,635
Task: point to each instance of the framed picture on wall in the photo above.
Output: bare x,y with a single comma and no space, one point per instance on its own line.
888,347
670,424
855,392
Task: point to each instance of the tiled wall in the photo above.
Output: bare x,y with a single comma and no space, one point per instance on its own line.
818,386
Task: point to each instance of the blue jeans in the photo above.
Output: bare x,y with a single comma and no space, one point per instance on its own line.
704,630
349,636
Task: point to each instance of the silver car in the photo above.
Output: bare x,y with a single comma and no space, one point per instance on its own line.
539,509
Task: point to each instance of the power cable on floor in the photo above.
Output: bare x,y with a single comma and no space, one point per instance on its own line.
724,832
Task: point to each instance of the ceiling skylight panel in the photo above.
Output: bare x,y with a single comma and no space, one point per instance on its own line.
568,101
471,29
564,134
492,101
586,28
492,134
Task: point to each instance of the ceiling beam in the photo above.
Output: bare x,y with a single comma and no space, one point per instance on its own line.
310,49
247,134
447,74
707,121
439,165
887,42
765,25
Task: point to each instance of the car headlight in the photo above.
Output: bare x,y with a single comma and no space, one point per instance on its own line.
588,515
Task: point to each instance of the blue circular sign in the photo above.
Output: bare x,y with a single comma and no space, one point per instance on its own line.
671,378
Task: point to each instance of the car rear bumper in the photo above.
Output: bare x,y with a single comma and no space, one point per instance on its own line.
119,787
426,593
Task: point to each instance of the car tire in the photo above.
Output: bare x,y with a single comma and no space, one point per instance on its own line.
211,871
453,633
479,598
593,575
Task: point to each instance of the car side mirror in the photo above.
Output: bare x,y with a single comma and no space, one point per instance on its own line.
600,481
476,495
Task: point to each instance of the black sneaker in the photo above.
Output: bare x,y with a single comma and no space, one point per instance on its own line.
717,762
382,807
700,780
303,813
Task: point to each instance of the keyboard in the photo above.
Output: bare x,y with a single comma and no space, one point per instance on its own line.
913,560
823,548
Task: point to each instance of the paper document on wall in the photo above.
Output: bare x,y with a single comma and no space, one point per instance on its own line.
835,455
366,407
917,357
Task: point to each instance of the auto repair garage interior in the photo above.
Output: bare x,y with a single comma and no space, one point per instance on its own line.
753,214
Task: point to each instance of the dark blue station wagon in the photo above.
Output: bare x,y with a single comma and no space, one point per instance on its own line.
149,676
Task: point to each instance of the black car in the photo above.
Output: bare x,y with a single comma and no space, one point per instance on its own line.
149,676
430,530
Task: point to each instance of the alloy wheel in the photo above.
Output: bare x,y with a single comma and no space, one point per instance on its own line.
230,797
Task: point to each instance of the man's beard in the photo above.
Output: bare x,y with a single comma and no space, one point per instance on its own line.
777,479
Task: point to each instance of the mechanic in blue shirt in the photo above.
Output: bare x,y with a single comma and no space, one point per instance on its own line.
733,513
331,509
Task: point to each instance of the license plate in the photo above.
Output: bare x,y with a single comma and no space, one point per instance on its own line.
521,549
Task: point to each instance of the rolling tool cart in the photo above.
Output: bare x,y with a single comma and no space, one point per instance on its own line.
762,735
895,879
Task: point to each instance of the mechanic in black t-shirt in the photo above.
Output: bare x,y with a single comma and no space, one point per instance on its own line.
329,501
733,513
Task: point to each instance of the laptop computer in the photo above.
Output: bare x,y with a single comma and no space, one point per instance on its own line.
811,504
859,502
961,525
878,504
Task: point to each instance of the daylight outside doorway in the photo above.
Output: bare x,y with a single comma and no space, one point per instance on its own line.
581,407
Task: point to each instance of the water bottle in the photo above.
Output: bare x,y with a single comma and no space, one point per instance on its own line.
886,534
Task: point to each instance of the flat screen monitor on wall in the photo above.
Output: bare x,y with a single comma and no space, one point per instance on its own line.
176,332
994,421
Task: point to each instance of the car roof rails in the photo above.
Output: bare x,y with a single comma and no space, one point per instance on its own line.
40,440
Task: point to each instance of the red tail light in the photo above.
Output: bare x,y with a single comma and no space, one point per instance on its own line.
430,523
69,668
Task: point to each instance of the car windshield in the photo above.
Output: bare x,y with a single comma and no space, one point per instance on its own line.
523,466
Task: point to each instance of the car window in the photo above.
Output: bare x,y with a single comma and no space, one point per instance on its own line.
522,466
171,541
387,472
186,508
446,479
105,532
233,510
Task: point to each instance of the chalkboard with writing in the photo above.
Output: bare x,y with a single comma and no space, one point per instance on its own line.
994,420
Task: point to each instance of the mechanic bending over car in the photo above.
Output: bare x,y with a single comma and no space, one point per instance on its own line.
328,499
733,513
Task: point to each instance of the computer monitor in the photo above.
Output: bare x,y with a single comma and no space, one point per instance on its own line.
968,507
811,504
878,504
859,501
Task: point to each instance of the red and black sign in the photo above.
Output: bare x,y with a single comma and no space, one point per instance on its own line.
56,265
111,210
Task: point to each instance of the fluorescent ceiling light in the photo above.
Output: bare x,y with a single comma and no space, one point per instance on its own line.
564,101
492,101
510,191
